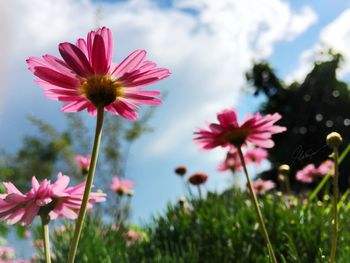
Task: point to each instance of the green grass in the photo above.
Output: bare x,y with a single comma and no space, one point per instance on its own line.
220,228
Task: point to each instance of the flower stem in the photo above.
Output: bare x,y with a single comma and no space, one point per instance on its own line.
199,192
89,181
335,205
45,225
257,209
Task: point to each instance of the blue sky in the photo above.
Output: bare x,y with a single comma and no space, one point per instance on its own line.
207,49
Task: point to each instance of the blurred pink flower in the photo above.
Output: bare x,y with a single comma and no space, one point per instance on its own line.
54,199
310,172
83,162
262,186
255,129
6,252
255,155
121,186
233,161
87,78
27,234
132,236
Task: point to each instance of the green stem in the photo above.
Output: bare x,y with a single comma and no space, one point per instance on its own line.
335,206
45,226
326,178
89,181
199,192
257,209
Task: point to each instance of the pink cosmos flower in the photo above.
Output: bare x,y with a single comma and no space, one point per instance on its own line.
132,236
55,199
6,252
83,163
121,186
310,172
87,78
233,161
262,186
256,155
255,129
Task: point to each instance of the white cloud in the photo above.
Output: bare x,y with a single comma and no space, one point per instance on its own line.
335,35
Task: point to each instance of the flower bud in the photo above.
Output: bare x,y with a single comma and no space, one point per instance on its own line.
334,140
181,170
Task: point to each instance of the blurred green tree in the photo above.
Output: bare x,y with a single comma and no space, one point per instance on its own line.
310,110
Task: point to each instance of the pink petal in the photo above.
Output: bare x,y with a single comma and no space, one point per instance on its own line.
130,63
75,59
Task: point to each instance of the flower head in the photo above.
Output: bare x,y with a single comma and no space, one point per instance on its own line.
181,170
87,78
122,186
83,163
255,129
256,155
233,161
262,186
55,200
310,172
198,178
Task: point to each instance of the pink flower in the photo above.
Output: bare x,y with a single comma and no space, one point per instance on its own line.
256,155
83,163
132,236
86,78
121,186
6,253
55,199
310,172
262,186
255,129
233,161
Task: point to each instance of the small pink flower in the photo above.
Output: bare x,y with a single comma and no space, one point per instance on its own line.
87,78
83,163
310,172
233,161
6,253
262,186
55,199
121,186
27,234
255,129
132,236
256,155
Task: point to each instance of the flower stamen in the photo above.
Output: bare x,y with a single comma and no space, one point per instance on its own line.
101,90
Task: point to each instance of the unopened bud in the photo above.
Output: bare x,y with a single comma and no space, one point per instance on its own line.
181,170
284,169
334,140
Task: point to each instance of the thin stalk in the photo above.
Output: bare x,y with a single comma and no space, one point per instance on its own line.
89,181
199,192
335,206
314,194
45,226
257,209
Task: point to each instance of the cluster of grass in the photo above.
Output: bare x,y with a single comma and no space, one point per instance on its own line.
219,228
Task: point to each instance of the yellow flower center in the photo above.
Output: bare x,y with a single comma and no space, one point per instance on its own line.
101,90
